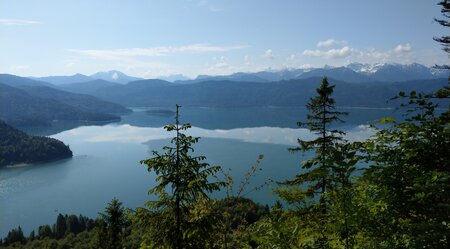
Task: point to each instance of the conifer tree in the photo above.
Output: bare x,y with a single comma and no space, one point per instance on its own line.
322,115
61,226
32,236
114,218
445,39
187,177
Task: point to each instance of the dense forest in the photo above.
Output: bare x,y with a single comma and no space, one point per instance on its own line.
225,93
17,147
27,105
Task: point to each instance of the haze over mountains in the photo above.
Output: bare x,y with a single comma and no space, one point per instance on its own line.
354,72
25,102
102,96
112,76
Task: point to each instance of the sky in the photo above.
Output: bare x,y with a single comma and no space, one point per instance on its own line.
149,39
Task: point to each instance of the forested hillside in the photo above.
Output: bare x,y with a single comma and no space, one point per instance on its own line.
40,105
239,94
16,147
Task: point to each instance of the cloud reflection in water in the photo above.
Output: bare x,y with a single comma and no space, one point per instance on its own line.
132,134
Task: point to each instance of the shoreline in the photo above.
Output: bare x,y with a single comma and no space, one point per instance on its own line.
17,165
23,165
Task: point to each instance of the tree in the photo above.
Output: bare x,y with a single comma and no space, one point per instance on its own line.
32,236
72,225
327,178
188,178
410,170
44,231
61,226
444,40
114,217
15,235
409,162
321,115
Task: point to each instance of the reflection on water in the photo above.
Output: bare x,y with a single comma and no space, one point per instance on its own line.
132,134
232,118
106,160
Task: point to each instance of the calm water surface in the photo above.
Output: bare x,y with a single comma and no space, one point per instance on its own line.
106,159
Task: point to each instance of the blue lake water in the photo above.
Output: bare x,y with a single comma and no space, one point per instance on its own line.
106,159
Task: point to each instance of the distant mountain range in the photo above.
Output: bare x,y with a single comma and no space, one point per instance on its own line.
111,76
223,93
354,72
26,102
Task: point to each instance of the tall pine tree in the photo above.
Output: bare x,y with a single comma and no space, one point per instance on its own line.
114,218
187,176
322,115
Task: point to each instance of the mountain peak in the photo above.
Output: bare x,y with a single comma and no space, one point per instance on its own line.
114,76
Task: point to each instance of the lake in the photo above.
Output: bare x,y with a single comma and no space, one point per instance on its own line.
106,159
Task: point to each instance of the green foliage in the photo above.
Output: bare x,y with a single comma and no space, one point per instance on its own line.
410,165
322,114
402,199
327,177
187,176
70,231
115,223
444,40
242,189
18,147
45,232
61,227
279,229
15,235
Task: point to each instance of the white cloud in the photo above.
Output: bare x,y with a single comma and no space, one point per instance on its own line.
269,54
221,65
370,55
330,42
11,22
332,53
403,48
400,53
153,51
273,135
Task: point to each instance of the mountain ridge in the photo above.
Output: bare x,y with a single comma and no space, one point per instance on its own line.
25,102
355,72
296,92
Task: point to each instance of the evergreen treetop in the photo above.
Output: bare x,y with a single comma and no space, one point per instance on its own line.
322,115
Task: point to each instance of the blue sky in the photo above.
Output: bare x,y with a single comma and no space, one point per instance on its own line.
158,38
